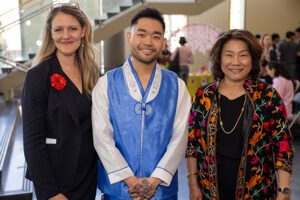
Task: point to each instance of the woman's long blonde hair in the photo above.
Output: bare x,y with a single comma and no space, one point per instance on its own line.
85,55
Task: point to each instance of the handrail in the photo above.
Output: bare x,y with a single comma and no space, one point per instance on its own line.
26,17
13,64
12,9
6,15
13,61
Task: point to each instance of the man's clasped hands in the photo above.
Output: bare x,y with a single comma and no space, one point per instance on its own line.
142,188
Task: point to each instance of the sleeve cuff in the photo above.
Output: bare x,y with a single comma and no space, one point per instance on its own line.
190,152
284,165
164,175
120,175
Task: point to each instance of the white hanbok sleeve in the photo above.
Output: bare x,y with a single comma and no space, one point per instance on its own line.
103,134
169,163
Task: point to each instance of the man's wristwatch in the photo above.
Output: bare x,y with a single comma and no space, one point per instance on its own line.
285,190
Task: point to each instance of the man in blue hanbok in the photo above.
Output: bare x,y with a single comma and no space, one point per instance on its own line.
139,116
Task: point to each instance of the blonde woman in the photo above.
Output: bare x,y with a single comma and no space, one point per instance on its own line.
56,103
267,45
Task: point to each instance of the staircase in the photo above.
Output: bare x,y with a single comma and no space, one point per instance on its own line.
13,76
118,18
113,21
13,185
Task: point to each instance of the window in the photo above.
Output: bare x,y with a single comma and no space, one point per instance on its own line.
237,14
10,36
173,23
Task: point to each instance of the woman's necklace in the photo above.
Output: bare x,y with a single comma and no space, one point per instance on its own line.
237,121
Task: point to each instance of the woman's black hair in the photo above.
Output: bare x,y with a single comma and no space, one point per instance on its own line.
280,69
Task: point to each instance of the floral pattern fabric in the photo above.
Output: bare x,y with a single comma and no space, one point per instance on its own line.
267,145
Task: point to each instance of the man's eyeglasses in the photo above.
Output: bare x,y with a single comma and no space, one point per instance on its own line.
70,4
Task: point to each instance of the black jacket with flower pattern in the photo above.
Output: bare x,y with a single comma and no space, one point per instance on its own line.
267,141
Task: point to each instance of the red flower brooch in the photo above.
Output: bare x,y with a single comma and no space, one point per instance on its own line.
58,81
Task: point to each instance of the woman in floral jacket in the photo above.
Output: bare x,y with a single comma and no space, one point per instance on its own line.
238,133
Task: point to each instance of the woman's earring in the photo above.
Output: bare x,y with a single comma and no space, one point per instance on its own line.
82,45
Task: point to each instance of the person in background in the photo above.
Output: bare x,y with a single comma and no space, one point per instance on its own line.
263,73
56,107
139,136
283,84
297,31
275,41
239,142
185,58
164,58
258,36
266,44
288,50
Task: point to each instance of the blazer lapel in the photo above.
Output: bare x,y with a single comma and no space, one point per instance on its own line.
66,93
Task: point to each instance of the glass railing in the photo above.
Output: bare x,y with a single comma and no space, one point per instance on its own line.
24,12
7,66
31,17
25,22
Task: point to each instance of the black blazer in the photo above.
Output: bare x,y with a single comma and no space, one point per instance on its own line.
49,113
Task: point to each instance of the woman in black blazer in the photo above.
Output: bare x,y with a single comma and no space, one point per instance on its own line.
56,103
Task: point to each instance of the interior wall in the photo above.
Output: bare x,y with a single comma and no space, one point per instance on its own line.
272,16
261,17
267,16
221,21
217,16
127,47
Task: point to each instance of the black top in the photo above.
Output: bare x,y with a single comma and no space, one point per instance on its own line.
268,79
57,167
85,186
229,146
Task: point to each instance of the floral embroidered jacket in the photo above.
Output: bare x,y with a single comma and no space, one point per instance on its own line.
267,141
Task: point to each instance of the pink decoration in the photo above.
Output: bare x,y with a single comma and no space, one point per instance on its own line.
200,37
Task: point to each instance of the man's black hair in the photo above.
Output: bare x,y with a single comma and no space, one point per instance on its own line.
289,34
257,36
148,13
297,29
275,36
